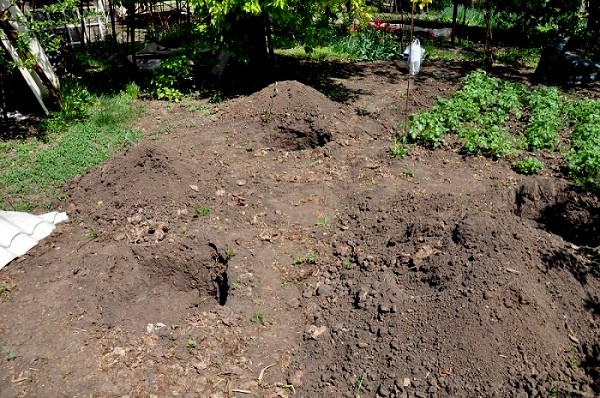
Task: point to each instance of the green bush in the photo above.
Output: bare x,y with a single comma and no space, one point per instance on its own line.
168,80
369,44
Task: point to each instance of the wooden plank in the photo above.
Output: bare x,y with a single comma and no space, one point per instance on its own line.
40,78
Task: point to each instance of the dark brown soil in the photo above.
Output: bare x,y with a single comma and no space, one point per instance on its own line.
270,247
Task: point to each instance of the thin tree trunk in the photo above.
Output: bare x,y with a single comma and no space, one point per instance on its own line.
593,23
113,26
3,99
131,18
488,50
464,23
269,39
454,16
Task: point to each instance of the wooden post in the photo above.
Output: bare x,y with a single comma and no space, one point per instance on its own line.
82,16
131,19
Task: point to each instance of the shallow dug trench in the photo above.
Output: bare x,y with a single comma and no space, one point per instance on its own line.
457,296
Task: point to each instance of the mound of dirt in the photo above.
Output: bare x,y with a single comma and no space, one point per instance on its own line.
460,303
294,116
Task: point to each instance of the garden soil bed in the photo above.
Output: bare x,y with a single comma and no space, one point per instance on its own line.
269,246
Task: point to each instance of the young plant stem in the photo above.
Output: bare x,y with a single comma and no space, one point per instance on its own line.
412,31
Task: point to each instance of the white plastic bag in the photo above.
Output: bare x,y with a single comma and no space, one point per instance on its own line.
413,56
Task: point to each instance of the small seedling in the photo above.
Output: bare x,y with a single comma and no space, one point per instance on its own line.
285,284
191,343
236,285
358,385
202,211
322,222
348,264
8,355
259,317
92,234
4,288
216,97
406,173
553,391
398,149
310,258
573,364
229,254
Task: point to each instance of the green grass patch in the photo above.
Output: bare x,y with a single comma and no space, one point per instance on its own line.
317,53
78,138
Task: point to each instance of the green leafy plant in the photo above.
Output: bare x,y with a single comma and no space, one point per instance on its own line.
170,77
347,264
216,97
310,258
202,210
370,43
544,121
477,113
583,158
398,149
493,141
528,166
191,343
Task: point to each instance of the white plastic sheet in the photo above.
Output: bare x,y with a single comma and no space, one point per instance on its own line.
413,57
19,232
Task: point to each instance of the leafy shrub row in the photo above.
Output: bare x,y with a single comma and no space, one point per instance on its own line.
496,118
